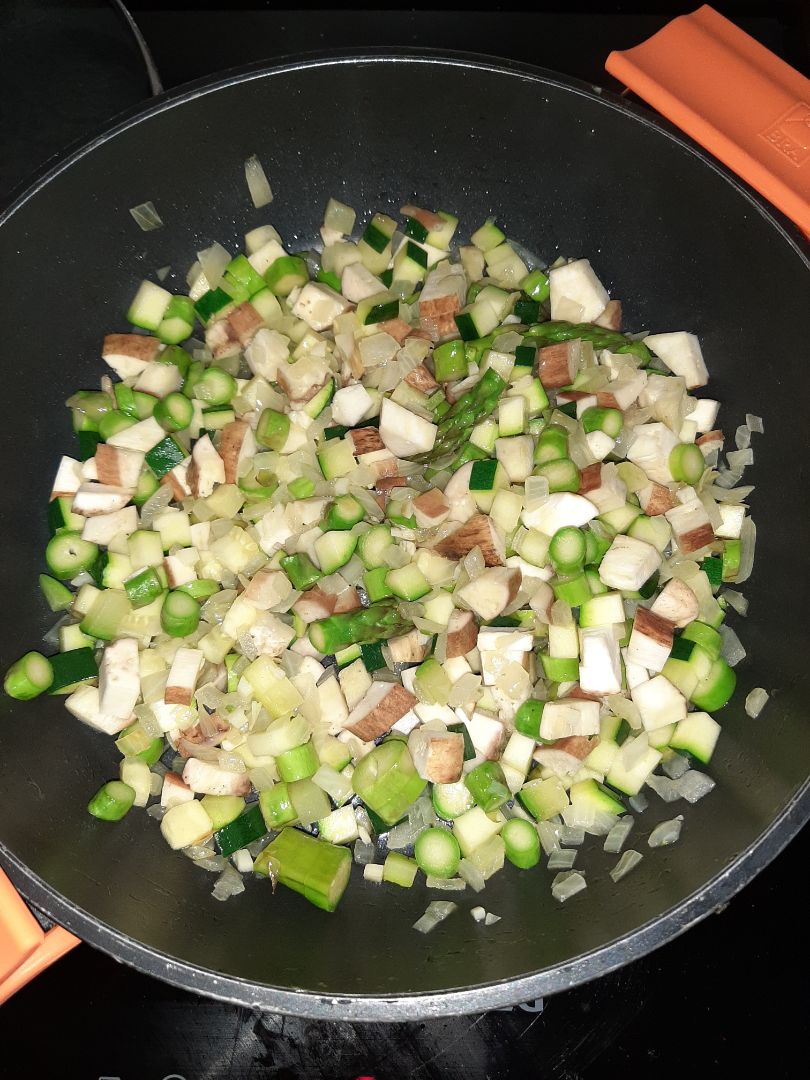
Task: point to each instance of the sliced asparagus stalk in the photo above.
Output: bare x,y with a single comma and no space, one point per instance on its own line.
318,870
375,623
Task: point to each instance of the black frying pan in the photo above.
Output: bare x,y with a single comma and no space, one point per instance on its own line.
566,170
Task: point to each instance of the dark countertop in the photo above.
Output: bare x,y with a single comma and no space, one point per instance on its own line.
720,998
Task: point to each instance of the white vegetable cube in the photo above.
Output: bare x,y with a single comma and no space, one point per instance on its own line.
658,702
119,681
515,455
518,752
136,773
183,675
704,414
682,354
628,563
633,673
266,352
560,509
404,433
650,449
576,293
569,716
600,668
357,283
350,404
732,521
650,641
318,305
185,824
487,733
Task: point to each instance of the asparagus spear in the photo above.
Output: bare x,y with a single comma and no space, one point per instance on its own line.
362,626
464,414
555,331
315,868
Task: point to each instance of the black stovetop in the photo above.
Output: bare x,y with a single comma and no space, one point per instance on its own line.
724,996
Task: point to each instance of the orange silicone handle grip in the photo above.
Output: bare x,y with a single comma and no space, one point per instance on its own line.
734,97
25,948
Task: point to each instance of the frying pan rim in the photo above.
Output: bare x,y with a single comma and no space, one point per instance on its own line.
712,896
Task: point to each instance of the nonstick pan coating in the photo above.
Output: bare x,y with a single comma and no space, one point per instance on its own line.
567,171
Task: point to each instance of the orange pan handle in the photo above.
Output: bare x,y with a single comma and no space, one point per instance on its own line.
734,97
25,948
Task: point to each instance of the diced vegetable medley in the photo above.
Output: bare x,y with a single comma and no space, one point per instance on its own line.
418,561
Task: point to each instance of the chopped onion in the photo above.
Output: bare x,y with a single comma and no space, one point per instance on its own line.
156,811
213,261
567,885
615,839
756,701
748,543
478,913
472,875
666,789
491,919
675,766
436,912
666,833
403,835
736,600
562,859
228,884
740,459
561,613
449,884
155,505
549,836
754,423
694,785
146,216
625,864
571,836
473,562
363,853
639,803
257,182
735,495
732,649
742,437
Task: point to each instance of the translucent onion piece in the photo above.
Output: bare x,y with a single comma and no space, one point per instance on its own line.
228,884
473,562
536,492
562,859
740,459
666,833
567,885
449,884
436,912
491,919
561,613
666,789
571,836
742,437
363,853
549,836
155,505
732,649
213,261
257,182
756,701
478,913
675,766
472,875
754,423
735,495
639,803
625,864
465,690
736,600
146,216
615,839
156,811
694,785
748,543
403,835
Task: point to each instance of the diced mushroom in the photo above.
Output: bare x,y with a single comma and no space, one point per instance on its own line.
379,710
271,636
556,365
628,563
565,756
178,572
183,674
357,283
386,484
194,736
68,478
267,589
129,354
101,528
711,441
206,470
304,379
174,791
117,466
396,328
408,648
236,442
403,432
655,499
421,379
650,449
176,480
600,669
441,298
479,531
650,641
366,440
92,499
602,485
676,603
437,755
268,349
315,604
83,703
347,600
611,317
561,508
682,354
462,633
691,526
119,680
704,414
318,305
576,293
457,493
350,404
430,508
491,592
205,778
486,733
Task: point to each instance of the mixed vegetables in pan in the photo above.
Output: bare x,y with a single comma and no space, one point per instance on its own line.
416,561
